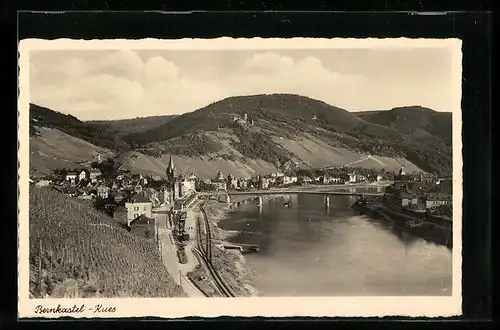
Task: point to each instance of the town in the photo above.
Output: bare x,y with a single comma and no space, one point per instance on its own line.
130,197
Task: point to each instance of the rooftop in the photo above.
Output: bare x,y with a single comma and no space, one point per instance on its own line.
439,196
142,220
139,198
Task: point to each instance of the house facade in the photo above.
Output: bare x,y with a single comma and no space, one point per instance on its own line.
137,206
219,184
242,183
187,187
71,176
84,175
437,199
94,174
103,191
264,183
288,179
409,200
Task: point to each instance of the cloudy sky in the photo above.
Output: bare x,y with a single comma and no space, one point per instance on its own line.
111,84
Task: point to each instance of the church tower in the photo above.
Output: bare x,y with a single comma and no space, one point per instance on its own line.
402,171
170,189
170,172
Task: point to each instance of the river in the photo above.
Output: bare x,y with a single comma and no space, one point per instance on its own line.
311,250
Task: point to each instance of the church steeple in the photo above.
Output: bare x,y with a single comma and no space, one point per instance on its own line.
171,164
170,170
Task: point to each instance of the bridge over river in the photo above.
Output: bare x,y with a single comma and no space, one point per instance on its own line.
257,194
286,192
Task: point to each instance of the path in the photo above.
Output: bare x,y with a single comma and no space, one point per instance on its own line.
177,270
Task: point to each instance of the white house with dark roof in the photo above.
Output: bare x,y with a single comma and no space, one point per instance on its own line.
94,173
103,191
71,176
84,175
137,206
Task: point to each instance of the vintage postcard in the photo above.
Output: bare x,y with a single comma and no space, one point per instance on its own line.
240,177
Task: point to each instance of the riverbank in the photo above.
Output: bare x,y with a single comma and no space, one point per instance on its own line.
427,229
231,264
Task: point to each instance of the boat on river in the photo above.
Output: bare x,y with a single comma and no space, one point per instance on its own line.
287,203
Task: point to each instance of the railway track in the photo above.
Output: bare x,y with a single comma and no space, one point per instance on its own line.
205,253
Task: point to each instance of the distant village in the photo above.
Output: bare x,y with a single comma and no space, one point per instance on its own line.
130,197
423,193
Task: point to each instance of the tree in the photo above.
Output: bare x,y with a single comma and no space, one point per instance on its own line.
99,204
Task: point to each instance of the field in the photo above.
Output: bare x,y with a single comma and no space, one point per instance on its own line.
77,252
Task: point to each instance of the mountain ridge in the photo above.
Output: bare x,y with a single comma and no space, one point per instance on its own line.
288,131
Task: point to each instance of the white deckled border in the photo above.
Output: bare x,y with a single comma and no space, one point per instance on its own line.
247,307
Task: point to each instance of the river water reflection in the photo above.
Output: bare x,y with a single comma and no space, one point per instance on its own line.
311,250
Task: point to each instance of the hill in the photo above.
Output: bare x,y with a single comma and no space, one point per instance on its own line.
62,141
52,149
292,130
124,127
82,253
281,132
294,110
95,134
414,120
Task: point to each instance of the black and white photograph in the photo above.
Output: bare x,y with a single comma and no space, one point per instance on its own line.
282,172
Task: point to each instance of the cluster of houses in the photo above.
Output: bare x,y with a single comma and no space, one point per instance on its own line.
276,179
130,198
425,193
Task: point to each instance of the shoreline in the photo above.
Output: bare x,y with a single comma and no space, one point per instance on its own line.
238,271
232,263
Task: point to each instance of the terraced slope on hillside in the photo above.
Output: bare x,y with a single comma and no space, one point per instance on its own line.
77,252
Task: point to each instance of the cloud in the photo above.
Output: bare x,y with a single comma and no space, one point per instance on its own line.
158,68
269,62
125,62
121,84
272,73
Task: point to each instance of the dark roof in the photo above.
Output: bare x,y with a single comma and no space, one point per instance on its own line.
171,163
142,220
438,196
139,198
406,195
